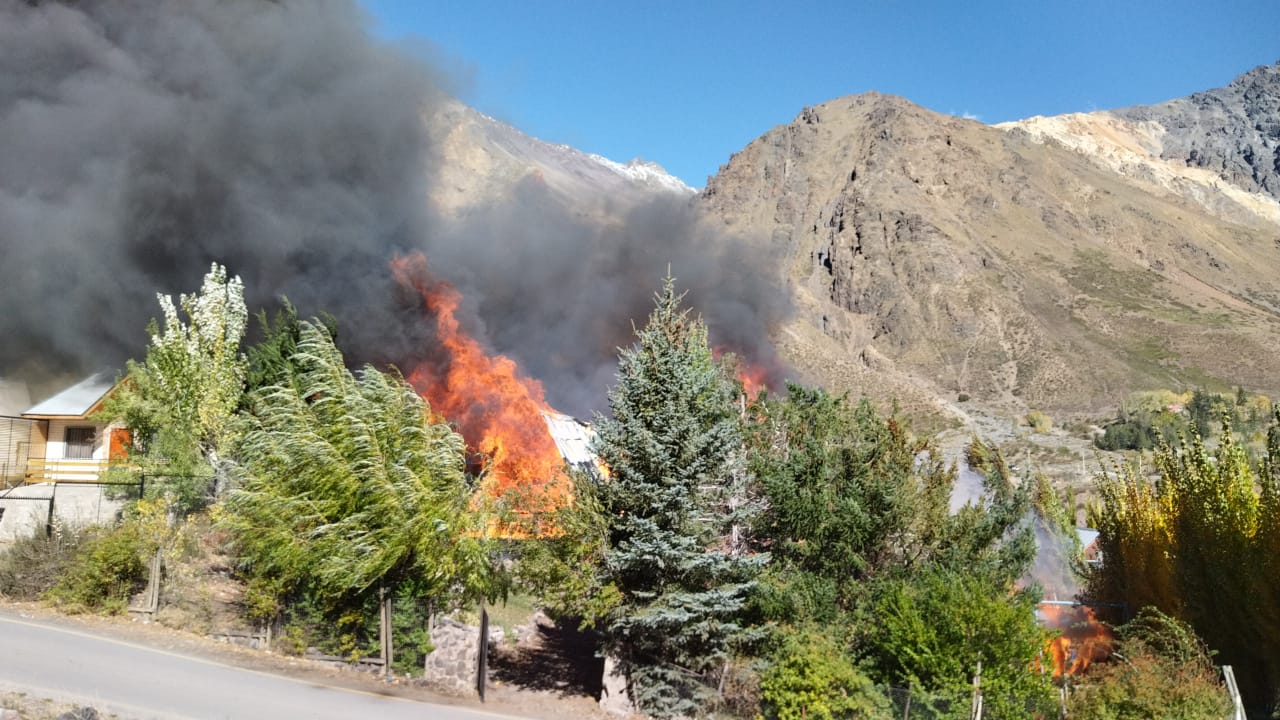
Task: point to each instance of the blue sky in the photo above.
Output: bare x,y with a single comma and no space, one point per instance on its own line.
686,84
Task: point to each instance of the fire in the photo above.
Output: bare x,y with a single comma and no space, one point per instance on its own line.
754,377
1084,639
496,408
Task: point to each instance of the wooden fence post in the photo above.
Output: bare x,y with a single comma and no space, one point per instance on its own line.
384,632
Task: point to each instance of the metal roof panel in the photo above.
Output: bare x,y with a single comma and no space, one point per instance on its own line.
77,400
573,439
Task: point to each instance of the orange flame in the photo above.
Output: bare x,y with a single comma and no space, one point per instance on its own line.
496,408
1084,640
754,377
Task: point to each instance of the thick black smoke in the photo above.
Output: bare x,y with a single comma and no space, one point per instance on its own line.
142,140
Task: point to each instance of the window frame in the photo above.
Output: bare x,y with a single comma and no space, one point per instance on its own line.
81,444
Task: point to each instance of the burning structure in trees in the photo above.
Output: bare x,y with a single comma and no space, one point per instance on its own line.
1084,638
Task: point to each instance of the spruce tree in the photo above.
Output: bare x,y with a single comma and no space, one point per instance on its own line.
674,447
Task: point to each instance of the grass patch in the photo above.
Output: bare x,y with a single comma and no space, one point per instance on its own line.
516,611
32,565
1134,290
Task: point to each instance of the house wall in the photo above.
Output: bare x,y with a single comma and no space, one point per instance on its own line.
56,465
56,447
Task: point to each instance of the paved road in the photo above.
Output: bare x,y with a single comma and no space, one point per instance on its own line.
135,681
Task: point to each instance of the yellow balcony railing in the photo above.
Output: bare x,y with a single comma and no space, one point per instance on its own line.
41,470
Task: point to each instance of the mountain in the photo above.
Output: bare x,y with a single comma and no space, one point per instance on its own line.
1220,147
1232,131
1054,263
481,160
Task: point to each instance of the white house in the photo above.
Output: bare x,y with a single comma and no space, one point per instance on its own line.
66,444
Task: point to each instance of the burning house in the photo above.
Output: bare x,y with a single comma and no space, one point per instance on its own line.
1085,636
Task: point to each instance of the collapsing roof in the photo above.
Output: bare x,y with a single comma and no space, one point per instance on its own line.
573,439
78,400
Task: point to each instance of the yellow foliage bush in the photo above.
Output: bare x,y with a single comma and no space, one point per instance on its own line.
1039,421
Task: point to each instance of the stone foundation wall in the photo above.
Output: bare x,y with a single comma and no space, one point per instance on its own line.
451,666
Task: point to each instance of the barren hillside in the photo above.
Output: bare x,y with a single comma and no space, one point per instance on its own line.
962,258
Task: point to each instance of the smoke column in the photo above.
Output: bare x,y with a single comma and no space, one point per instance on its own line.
139,141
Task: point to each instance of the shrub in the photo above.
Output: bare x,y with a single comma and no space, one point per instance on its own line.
1039,422
32,565
106,571
932,628
1160,669
812,678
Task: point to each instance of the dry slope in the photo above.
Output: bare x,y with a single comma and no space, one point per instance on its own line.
963,258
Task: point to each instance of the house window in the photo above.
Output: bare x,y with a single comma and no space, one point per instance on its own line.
79,443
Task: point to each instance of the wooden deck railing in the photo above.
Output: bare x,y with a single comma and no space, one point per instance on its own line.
40,470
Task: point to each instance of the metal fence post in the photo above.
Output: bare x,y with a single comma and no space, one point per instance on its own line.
48,522
482,663
1229,675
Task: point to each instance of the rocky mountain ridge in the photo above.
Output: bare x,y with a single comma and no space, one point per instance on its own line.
1220,147
1053,263
1233,131
1056,263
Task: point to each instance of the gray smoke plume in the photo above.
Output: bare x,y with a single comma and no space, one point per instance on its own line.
561,293
141,140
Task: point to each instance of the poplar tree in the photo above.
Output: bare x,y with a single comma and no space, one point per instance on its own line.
179,402
1200,544
674,447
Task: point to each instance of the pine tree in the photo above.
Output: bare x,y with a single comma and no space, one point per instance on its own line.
674,447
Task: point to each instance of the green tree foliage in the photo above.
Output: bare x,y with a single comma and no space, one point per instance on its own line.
862,537
348,485
673,446
847,498
1160,669
1201,544
270,360
1129,434
180,400
1206,410
1149,418
813,677
931,629
106,571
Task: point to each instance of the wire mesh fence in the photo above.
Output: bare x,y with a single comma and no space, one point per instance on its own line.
916,704
15,443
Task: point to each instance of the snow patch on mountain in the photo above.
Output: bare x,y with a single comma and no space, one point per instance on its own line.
645,172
